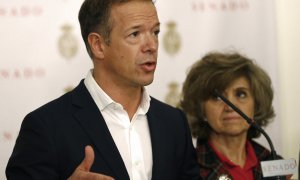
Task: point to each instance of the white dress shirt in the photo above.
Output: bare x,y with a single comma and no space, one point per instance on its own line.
132,138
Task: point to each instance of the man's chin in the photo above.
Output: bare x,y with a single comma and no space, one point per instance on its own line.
147,82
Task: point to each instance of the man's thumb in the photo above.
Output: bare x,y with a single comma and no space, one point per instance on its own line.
88,160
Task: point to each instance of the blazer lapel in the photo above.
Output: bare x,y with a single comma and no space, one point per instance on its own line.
159,144
94,125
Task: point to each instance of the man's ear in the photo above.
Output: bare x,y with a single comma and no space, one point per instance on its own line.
96,43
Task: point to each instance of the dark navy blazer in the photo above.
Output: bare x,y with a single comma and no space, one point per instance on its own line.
52,138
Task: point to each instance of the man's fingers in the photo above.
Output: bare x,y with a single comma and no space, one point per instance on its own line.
95,176
83,170
88,160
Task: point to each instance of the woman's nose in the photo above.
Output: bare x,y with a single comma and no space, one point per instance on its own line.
230,99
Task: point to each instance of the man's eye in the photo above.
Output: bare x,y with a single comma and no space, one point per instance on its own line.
156,32
134,34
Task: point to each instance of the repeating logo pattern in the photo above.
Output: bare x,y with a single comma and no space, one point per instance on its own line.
172,39
173,96
67,43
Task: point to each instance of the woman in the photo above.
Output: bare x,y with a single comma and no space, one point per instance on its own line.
225,147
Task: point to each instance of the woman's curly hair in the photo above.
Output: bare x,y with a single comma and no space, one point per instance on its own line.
216,71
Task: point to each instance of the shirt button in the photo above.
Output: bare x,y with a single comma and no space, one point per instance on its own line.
137,163
115,107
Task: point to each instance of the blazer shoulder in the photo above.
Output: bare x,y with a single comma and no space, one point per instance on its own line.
262,153
159,105
165,112
65,101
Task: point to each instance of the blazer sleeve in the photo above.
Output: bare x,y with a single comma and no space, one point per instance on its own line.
33,156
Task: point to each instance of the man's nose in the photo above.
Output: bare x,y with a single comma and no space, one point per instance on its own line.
151,43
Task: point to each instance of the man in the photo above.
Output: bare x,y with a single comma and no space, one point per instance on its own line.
108,126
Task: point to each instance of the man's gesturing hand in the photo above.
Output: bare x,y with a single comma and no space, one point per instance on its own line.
82,172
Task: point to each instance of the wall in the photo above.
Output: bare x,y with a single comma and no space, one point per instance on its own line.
42,55
289,72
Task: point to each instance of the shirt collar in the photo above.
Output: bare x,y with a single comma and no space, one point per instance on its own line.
100,97
145,103
103,100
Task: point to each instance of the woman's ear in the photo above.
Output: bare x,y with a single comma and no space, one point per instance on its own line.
96,44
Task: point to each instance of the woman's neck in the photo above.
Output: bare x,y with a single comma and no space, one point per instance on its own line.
232,147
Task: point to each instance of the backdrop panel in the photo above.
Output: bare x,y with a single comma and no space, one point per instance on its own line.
191,28
42,54
41,57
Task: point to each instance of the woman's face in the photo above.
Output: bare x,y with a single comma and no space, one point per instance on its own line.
223,119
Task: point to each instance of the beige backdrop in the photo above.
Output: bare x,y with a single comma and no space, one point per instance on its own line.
42,55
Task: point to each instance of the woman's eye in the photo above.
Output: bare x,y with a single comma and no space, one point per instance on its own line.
216,98
241,94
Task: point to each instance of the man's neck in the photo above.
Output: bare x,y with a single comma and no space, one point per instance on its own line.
128,97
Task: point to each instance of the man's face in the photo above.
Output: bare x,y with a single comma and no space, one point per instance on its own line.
131,57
